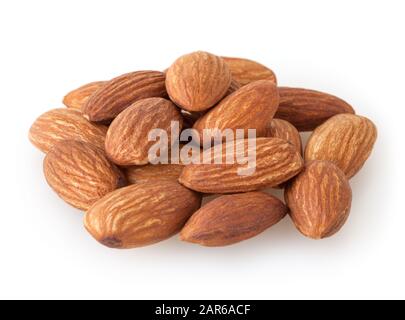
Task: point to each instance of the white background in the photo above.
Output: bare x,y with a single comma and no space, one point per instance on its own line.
353,49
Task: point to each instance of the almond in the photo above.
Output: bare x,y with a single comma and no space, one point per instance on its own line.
284,130
276,162
77,98
197,81
65,124
119,93
245,71
347,140
127,140
307,109
319,199
80,173
141,214
230,219
251,107
153,172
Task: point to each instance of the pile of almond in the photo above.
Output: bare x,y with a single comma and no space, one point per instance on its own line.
97,154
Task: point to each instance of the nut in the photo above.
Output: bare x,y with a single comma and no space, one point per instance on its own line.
119,93
197,81
276,161
65,124
77,98
141,214
284,130
319,199
245,71
153,172
127,137
307,109
347,140
80,173
233,218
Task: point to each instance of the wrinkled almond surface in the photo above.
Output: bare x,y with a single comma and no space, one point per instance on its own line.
284,130
77,98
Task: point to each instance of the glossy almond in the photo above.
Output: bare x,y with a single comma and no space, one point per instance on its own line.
127,140
65,124
251,107
276,162
153,172
230,219
141,214
346,139
119,93
245,71
197,81
284,130
80,173
307,109
319,199
77,98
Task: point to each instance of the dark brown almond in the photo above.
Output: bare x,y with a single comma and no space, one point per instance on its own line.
307,109
119,93
141,214
230,219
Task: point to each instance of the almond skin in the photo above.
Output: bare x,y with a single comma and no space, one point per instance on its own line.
307,109
153,172
284,130
65,124
77,98
197,81
141,214
346,140
80,173
277,161
119,93
127,137
251,107
319,200
230,219
245,71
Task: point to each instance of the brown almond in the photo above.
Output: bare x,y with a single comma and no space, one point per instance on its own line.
65,124
141,214
197,81
251,107
80,173
230,219
245,71
77,98
307,109
319,199
119,93
284,130
347,140
276,161
127,140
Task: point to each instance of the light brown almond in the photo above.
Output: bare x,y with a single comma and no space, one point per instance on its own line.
197,81
77,98
284,130
276,161
347,140
80,173
153,172
65,124
245,71
319,199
